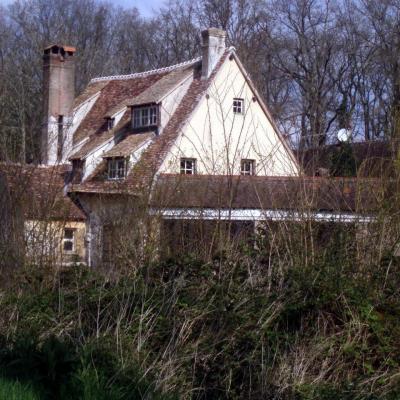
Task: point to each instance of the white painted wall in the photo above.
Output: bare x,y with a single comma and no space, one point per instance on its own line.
219,139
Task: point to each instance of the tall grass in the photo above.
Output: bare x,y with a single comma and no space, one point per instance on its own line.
16,391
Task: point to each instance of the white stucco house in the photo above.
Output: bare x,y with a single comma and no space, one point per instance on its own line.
186,142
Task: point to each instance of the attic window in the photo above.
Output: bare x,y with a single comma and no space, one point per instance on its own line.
188,166
145,116
248,167
117,168
110,123
238,106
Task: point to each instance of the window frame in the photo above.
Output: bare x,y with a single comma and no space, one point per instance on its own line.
238,106
184,170
71,240
110,123
145,116
113,168
247,172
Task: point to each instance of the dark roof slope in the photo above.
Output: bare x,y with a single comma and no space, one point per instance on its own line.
268,193
39,191
112,93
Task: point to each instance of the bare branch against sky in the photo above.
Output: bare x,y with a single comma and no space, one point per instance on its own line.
146,7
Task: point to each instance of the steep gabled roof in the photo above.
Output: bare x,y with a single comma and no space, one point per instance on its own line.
140,179
113,93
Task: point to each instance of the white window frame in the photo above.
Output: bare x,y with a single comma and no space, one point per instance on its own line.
69,240
251,164
188,166
238,106
116,168
145,116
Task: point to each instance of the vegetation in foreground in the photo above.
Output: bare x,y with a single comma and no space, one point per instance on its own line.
248,327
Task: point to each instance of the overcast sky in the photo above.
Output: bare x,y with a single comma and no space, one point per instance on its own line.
145,6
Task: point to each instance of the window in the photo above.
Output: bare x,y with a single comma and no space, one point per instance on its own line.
145,116
117,168
69,240
110,123
238,106
188,166
247,167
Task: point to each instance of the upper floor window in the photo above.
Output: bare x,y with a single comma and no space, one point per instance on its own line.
69,240
238,106
188,166
145,116
248,167
117,168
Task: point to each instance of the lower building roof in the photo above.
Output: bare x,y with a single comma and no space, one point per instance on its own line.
38,191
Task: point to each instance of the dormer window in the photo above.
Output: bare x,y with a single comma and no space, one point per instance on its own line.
117,168
110,123
145,116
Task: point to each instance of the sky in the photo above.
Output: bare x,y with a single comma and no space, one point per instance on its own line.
145,7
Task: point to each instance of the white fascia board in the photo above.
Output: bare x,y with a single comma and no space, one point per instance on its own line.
260,215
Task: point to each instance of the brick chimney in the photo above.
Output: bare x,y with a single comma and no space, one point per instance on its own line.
213,47
58,99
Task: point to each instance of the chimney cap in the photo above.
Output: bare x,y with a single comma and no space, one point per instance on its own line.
66,48
213,32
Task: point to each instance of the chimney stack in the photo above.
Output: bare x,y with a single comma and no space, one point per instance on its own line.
58,100
213,47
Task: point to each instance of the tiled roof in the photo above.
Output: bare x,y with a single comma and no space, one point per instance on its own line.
139,180
38,191
161,88
90,91
283,193
112,94
97,139
128,145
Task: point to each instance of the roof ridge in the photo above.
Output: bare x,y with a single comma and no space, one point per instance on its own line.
145,73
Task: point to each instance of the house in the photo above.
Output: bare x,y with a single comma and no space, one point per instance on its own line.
39,224
191,142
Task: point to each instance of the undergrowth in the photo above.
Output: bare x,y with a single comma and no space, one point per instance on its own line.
227,329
